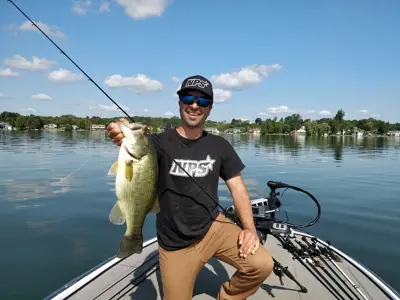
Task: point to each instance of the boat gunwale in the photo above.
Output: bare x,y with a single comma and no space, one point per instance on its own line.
85,278
383,286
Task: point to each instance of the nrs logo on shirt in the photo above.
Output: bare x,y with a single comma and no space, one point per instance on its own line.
196,168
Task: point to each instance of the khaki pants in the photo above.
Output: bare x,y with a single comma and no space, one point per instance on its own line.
180,268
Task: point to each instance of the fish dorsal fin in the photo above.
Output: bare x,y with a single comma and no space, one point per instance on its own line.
116,216
113,169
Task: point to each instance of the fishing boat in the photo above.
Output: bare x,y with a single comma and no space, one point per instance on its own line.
305,267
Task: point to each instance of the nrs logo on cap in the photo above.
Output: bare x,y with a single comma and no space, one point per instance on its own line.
195,82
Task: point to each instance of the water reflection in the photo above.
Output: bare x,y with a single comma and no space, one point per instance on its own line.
300,145
281,148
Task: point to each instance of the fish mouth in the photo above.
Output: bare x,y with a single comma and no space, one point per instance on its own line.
130,153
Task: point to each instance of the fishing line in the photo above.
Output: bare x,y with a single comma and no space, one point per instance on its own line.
91,80
66,177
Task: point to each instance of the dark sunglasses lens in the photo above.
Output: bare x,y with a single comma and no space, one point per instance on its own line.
204,102
188,99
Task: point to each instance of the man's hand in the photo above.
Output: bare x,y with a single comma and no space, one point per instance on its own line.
248,242
115,133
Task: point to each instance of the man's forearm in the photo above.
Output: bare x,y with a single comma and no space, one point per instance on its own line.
243,209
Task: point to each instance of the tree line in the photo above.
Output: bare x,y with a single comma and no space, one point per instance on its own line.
268,126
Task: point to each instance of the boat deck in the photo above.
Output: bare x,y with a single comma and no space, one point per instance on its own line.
137,277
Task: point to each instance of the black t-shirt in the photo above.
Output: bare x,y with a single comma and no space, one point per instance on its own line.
186,211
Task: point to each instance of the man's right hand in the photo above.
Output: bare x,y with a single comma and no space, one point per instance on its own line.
115,133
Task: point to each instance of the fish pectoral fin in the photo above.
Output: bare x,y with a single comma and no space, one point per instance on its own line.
129,170
155,208
113,169
116,216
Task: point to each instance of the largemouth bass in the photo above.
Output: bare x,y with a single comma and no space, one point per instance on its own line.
135,185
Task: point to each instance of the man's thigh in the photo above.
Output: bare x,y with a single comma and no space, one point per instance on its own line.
228,251
179,270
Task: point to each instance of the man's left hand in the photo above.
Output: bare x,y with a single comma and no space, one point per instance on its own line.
248,242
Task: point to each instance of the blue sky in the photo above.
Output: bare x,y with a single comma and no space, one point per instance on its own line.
265,58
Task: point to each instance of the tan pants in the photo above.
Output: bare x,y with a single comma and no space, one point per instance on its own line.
180,268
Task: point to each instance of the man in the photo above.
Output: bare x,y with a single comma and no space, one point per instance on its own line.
190,229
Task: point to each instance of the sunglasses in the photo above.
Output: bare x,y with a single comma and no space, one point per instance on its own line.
189,99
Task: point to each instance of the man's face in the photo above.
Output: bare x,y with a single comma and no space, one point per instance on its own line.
193,114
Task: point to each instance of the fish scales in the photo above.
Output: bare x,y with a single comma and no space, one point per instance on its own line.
135,186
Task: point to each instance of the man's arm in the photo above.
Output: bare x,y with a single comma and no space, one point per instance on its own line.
241,201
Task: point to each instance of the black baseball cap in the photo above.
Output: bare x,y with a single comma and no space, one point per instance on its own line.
197,83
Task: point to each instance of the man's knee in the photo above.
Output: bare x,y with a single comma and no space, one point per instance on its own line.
263,264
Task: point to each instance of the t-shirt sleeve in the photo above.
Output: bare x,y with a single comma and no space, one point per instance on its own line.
231,164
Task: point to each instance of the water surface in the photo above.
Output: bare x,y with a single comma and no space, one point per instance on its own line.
55,197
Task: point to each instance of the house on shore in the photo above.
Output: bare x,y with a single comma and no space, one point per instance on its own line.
213,130
5,126
98,127
394,133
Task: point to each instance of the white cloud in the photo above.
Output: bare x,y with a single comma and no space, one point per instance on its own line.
169,114
37,64
2,95
141,9
264,114
29,110
64,76
364,111
105,7
245,78
8,73
279,109
221,95
282,109
176,79
81,6
112,107
139,83
42,97
51,31
310,111
325,113
146,110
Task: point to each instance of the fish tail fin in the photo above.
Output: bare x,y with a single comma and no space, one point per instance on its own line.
129,246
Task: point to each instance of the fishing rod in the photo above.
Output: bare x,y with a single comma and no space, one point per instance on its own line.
319,252
91,80
328,253
314,255
272,184
307,263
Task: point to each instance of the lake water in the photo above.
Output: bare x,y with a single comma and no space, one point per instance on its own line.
55,197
